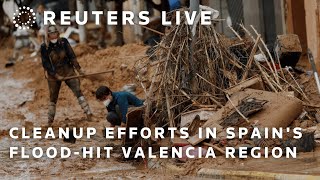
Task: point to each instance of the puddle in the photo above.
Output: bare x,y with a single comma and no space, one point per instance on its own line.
14,93
13,96
14,113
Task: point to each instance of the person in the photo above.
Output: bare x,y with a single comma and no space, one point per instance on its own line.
117,104
21,40
40,22
59,62
40,30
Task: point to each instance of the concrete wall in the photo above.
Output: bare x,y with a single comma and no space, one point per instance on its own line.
222,7
280,16
253,15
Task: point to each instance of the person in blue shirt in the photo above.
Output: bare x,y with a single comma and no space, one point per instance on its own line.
117,104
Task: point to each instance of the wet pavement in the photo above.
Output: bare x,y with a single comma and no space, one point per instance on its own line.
14,113
13,97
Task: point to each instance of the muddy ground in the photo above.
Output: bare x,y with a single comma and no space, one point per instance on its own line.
23,103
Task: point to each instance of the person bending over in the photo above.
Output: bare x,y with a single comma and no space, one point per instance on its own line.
117,104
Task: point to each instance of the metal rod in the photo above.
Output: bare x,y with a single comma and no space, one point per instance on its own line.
314,68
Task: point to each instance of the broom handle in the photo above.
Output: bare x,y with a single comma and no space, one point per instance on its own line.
314,68
85,75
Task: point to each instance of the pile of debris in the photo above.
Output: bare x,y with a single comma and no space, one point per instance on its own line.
206,79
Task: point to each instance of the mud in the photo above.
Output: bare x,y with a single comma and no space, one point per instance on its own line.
23,102
12,110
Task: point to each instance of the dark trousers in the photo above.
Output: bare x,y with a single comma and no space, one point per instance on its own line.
114,117
54,88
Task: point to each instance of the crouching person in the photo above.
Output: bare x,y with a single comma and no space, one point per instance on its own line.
117,104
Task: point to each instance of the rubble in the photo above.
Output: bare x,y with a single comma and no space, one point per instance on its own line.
305,144
288,49
188,117
252,83
223,82
278,111
182,82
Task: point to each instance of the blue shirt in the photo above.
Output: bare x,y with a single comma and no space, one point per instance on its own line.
174,4
123,100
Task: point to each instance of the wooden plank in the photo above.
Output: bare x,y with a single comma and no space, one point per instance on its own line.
134,119
299,22
215,147
312,27
204,114
253,83
194,140
179,142
289,17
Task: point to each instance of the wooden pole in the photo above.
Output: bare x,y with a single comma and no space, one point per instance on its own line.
150,29
251,59
270,56
215,147
85,75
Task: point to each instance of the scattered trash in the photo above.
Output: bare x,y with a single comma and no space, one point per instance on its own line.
304,144
223,82
247,107
188,117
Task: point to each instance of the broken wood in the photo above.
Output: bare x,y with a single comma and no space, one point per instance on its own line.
134,119
253,83
202,78
268,52
204,114
171,123
150,29
288,49
251,58
246,107
215,147
194,126
235,33
245,118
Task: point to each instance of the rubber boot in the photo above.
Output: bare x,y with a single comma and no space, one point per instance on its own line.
85,106
51,113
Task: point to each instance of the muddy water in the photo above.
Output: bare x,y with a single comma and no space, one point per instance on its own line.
14,112
13,98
